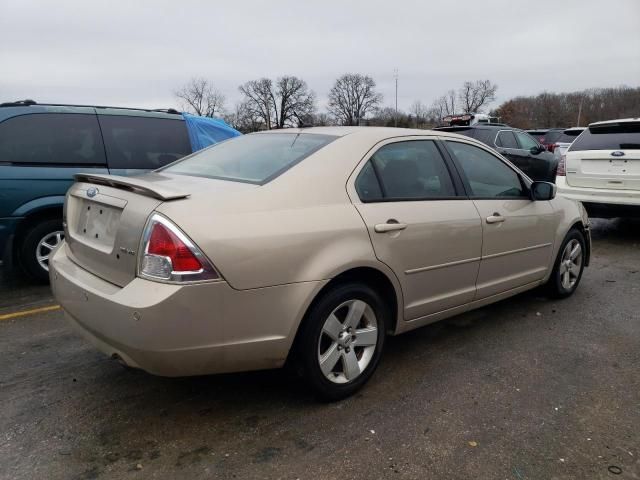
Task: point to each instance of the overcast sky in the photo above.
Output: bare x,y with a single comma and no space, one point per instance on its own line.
136,53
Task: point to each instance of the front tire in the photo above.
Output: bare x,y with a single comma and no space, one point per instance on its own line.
569,266
341,340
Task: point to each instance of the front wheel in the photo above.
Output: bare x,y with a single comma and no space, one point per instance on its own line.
569,266
341,340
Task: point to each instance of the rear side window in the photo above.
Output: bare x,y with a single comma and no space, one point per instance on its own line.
52,138
506,139
487,175
620,136
143,142
486,136
411,170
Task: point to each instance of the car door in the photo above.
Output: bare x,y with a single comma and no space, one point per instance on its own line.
518,233
540,163
508,146
136,145
421,224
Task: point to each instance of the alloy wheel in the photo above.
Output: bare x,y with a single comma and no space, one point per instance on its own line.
46,245
348,341
570,264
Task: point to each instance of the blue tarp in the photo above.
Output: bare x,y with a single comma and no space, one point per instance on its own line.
205,131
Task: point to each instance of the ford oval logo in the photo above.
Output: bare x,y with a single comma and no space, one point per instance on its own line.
92,192
617,153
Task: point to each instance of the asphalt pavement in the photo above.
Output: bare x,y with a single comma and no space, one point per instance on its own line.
529,388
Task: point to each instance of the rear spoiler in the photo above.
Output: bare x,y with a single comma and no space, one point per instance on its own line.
145,186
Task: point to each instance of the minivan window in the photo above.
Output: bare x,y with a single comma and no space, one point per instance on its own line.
412,170
256,158
506,139
616,136
143,142
51,138
486,174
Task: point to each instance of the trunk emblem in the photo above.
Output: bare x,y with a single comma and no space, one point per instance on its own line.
617,153
92,192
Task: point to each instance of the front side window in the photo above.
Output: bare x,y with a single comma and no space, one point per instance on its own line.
487,175
506,139
614,136
256,158
143,142
406,170
526,141
51,138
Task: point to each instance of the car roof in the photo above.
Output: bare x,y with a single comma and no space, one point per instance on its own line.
620,120
22,107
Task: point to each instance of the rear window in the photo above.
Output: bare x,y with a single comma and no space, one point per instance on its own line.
143,142
615,136
256,158
552,136
52,138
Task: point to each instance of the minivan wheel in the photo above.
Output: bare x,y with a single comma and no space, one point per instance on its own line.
569,266
341,340
37,245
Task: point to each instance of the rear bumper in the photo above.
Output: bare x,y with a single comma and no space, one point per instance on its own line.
181,330
599,196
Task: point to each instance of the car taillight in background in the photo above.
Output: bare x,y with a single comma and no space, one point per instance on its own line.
169,255
562,171
551,147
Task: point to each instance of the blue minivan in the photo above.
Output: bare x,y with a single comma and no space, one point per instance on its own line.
43,145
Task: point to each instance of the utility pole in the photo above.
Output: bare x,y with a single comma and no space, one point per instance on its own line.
579,110
395,74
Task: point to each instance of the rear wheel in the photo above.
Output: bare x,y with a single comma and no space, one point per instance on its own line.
37,245
569,265
341,340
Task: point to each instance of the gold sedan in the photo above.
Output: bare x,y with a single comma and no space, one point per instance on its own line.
307,245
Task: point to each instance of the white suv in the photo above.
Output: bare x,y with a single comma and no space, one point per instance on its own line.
601,169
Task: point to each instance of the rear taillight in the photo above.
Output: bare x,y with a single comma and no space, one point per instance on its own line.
551,147
169,255
561,171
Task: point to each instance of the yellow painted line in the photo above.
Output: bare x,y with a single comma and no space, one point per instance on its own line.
24,313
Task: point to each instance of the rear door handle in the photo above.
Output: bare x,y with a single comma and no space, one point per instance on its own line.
495,218
390,226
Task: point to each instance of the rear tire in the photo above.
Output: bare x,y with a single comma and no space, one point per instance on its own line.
341,340
569,265
37,244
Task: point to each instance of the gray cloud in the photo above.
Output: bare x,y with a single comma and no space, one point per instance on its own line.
136,53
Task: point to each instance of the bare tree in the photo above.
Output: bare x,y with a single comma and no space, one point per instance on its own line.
259,100
419,112
243,119
474,95
286,103
353,96
200,97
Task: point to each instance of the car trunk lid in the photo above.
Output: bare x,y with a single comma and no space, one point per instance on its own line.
105,216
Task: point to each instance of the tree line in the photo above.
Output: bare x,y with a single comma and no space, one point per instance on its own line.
288,101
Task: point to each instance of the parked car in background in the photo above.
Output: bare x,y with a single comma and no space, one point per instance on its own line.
468,119
519,147
601,168
538,134
550,137
564,141
307,244
43,145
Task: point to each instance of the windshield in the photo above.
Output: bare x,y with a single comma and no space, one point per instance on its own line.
256,158
612,136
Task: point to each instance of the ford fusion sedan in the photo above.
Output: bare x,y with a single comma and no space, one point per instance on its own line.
306,246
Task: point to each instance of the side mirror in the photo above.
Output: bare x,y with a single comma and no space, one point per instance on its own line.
543,191
538,149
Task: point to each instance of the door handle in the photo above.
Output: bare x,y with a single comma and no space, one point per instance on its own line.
390,226
495,218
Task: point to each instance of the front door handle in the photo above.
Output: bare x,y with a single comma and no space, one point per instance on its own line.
495,218
391,226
